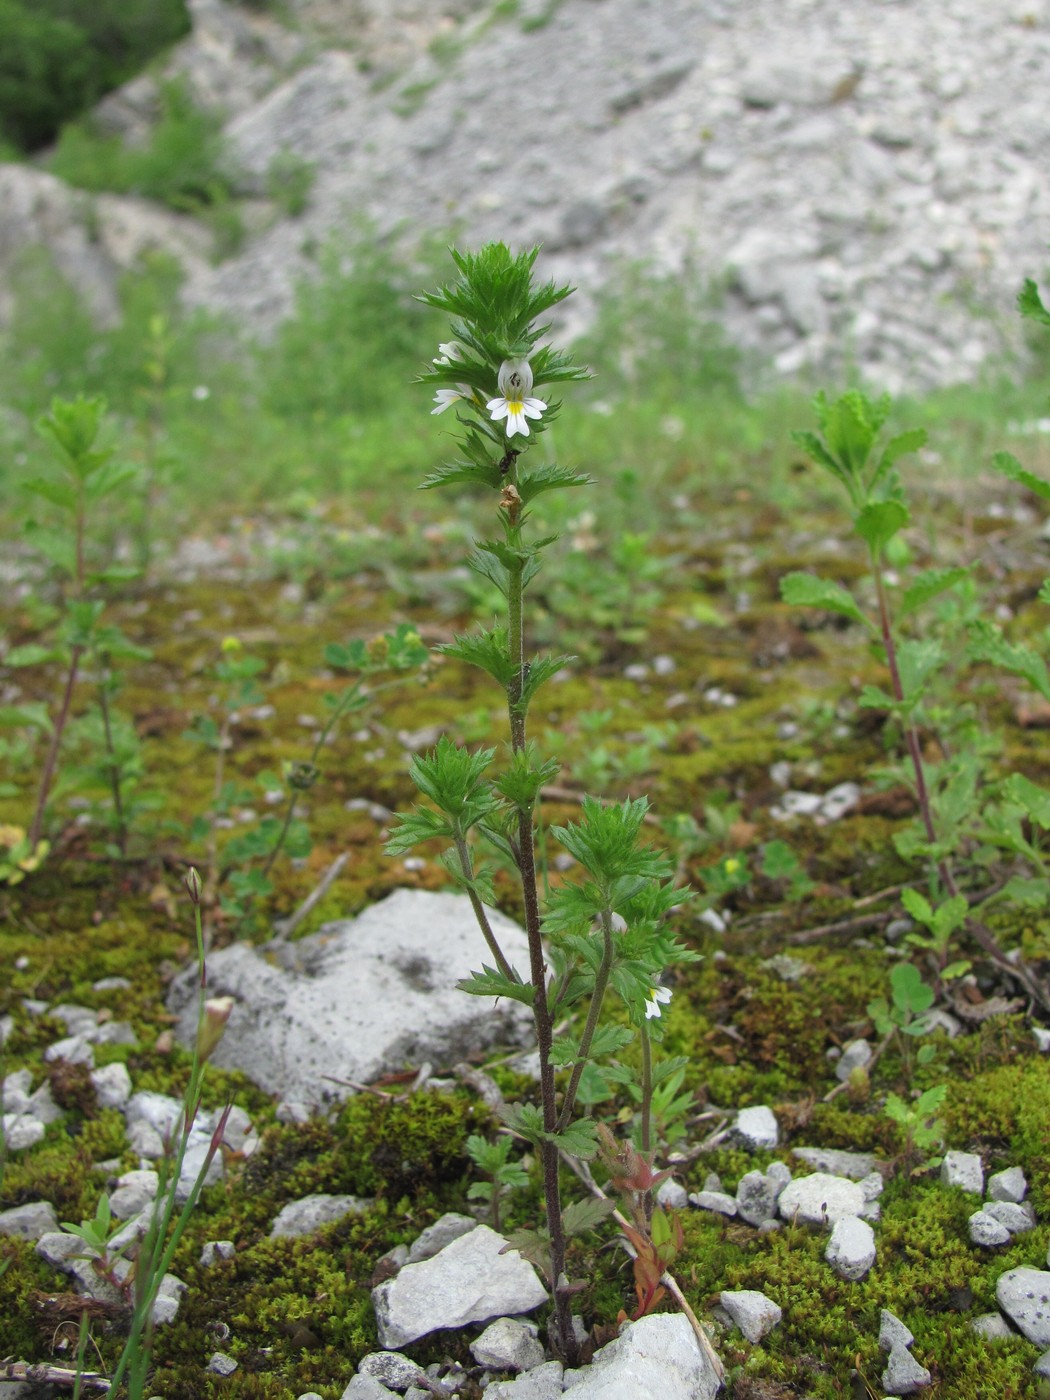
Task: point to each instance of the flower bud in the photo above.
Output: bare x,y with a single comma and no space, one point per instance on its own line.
302,776
213,1024
194,885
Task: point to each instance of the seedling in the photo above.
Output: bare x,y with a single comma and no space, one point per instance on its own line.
493,1158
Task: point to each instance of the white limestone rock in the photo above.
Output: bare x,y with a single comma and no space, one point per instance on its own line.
543,1382
820,1199
468,1281
389,1368
359,998
987,1232
508,1344
29,1221
112,1085
1024,1296
964,1170
855,1165
310,1213
435,1237
903,1374
851,1249
1008,1185
751,1311
656,1357
756,1128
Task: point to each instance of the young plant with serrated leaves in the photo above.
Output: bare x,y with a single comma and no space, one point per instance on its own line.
494,1159
919,1124
847,447
606,933
83,639
903,1017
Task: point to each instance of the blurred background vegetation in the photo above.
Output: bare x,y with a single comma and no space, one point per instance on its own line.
59,57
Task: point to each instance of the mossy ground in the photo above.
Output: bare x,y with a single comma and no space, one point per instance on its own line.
298,1313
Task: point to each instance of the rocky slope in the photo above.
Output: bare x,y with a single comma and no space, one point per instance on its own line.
864,184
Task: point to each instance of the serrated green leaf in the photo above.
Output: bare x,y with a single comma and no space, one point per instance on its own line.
491,983
59,493
1009,466
580,1139
802,590
587,1214
878,522
988,644
30,654
534,481
1034,800
487,651
928,585
52,544
33,713
416,827
109,477
895,449
918,906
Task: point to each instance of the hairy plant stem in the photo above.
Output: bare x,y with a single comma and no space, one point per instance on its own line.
563,1339
75,653
601,981
467,867
647,1116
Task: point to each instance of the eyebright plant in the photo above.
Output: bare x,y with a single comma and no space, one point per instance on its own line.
605,934
89,474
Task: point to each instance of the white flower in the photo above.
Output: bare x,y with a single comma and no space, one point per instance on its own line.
445,398
448,351
513,403
659,996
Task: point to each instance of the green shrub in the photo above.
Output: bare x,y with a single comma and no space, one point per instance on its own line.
182,166
57,59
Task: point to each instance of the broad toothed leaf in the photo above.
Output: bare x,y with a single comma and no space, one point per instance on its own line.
808,591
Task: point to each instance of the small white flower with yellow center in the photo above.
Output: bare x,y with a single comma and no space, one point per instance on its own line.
659,996
445,398
514,403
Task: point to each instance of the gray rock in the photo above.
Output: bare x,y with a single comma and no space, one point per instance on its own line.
73,1048
311,1213
851,1249
892,1331
366,1388
390,1368
435,1237
364,996
751,1311
220,1364
469,1281
217,1252
855,1165
508,1344
543,1382
718,1201
779,1173
657,1356
964,1170
986,1231
30,1221
1024,1296
903,1374
1016,1216
21,1131
672,1195
112,1085
756,1128
756,1197
855,1055
820,1199
992,1326
873,1186
1042,1366
133,1193
1008,1185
